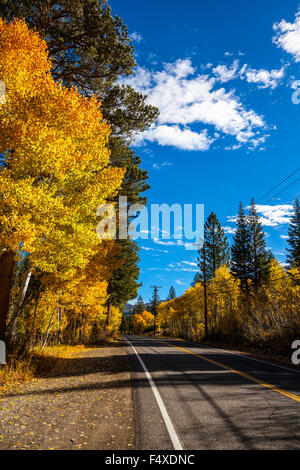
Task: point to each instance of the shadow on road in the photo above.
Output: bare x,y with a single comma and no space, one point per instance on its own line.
243,408
175,367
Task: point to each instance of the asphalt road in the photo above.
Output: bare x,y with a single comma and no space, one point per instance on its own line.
196,397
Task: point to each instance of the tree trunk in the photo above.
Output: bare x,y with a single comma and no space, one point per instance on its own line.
48,330
30,336
11,328
58,323
7,263
108,313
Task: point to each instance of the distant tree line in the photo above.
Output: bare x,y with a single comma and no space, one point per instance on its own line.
248,259
252,300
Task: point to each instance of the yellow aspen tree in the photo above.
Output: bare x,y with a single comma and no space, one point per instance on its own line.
138,323
149,319
55,168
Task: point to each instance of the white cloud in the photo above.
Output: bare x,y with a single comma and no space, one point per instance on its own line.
229,230
263,78
180,267
186,245
279,253
146,248
171,268
157,229
233,147
288,36
158,166
141,80
184,139
285,237
164,243
188,263
181,68
224,73
136,37
185,98
272,216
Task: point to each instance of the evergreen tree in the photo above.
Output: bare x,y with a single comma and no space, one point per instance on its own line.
123,285
140,307
126,324
197,278
293,256
155,301
240,251
216,247
259,255
172,294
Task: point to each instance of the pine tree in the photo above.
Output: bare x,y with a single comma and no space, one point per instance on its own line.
123,285
259,255
197,278
155,301
216,247
240,251
172,294
293,256
139,307
126,324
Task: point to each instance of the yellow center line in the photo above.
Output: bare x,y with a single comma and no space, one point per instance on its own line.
242,374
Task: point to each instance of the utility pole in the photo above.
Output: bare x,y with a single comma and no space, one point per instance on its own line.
205,292
155,305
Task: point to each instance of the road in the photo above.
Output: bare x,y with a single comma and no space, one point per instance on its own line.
193,397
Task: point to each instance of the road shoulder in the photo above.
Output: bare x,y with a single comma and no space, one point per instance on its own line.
84,403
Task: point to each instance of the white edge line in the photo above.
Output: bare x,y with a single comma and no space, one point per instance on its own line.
172,433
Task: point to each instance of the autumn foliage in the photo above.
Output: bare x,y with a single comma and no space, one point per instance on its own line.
142,322
55,172
267,319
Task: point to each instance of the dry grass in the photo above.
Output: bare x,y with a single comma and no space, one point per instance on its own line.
14,372
19,370
61,351
39,362
105,337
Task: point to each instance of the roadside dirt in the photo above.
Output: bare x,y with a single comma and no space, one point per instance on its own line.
85,402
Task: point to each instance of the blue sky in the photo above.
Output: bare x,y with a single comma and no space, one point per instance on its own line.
223,75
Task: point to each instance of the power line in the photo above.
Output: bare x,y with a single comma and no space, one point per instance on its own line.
279,184
278,194
170,277
278,269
